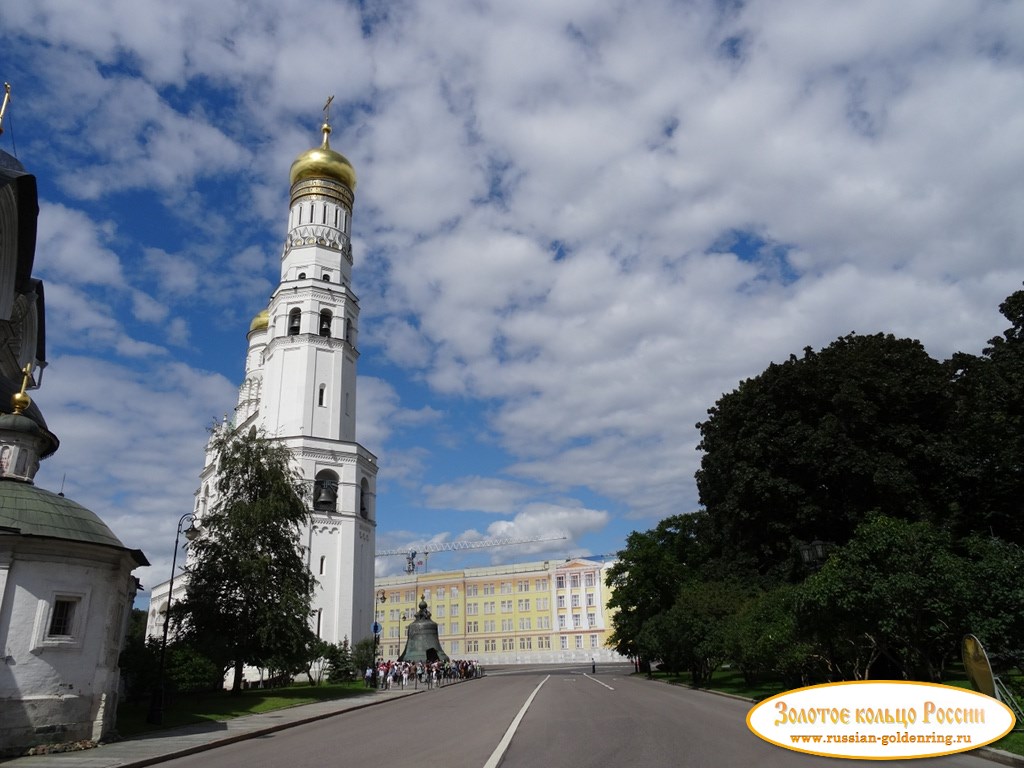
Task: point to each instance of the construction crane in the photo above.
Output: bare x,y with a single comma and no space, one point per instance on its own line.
458,546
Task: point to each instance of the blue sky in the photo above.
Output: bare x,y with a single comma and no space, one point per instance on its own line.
576,225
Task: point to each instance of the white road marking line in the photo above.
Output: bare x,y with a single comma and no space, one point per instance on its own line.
499,751
598,681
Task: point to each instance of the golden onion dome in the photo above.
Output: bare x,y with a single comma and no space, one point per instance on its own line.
260,322
323,163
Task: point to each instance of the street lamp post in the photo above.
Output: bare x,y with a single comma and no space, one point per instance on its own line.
156,703
381,598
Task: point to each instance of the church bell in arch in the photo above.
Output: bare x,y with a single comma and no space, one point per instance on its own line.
325,495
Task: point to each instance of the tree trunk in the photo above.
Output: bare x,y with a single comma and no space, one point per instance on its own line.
236,684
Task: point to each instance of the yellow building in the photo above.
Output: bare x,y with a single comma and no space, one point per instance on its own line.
524,613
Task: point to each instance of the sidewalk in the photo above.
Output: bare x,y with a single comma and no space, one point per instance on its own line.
157,746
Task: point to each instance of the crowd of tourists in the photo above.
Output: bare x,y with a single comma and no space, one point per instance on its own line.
388,675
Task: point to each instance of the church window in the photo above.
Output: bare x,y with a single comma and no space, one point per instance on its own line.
327,277
62,618
320,398
336,217
325,322
323,561
294,320
319,620
325,215
302,275
364,492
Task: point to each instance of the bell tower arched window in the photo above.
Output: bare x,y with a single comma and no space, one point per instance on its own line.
294,321
364,493
325,491
325,322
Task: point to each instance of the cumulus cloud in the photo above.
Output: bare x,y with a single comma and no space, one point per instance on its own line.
71,247
131,443
483,494
576,225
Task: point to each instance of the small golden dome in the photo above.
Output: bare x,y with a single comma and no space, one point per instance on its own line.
323,163
260,322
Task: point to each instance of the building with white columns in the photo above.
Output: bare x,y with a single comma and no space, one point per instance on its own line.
300,387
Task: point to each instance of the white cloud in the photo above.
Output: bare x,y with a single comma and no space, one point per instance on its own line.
484,494
78,321
576,225
131,444
73,248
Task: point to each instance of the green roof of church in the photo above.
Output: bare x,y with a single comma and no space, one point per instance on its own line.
31,511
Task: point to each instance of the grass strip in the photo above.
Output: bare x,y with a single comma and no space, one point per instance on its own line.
188,709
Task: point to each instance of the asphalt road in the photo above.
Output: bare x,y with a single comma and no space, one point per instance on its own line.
573,720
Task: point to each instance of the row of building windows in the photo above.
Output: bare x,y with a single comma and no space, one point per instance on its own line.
527,643
522,605
508,644
525,624
574,602
589,580
504,588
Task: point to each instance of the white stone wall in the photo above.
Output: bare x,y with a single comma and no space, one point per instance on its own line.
60,688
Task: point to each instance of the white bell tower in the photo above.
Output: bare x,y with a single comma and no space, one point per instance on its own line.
300,387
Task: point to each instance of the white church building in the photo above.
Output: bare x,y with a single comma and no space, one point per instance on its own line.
300,388
66,581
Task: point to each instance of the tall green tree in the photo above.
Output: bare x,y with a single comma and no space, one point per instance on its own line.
989,431
765,641
893,599
996,579
811,446
249,590
646,578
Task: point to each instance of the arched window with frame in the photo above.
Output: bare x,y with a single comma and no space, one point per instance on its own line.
325,322
294,321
